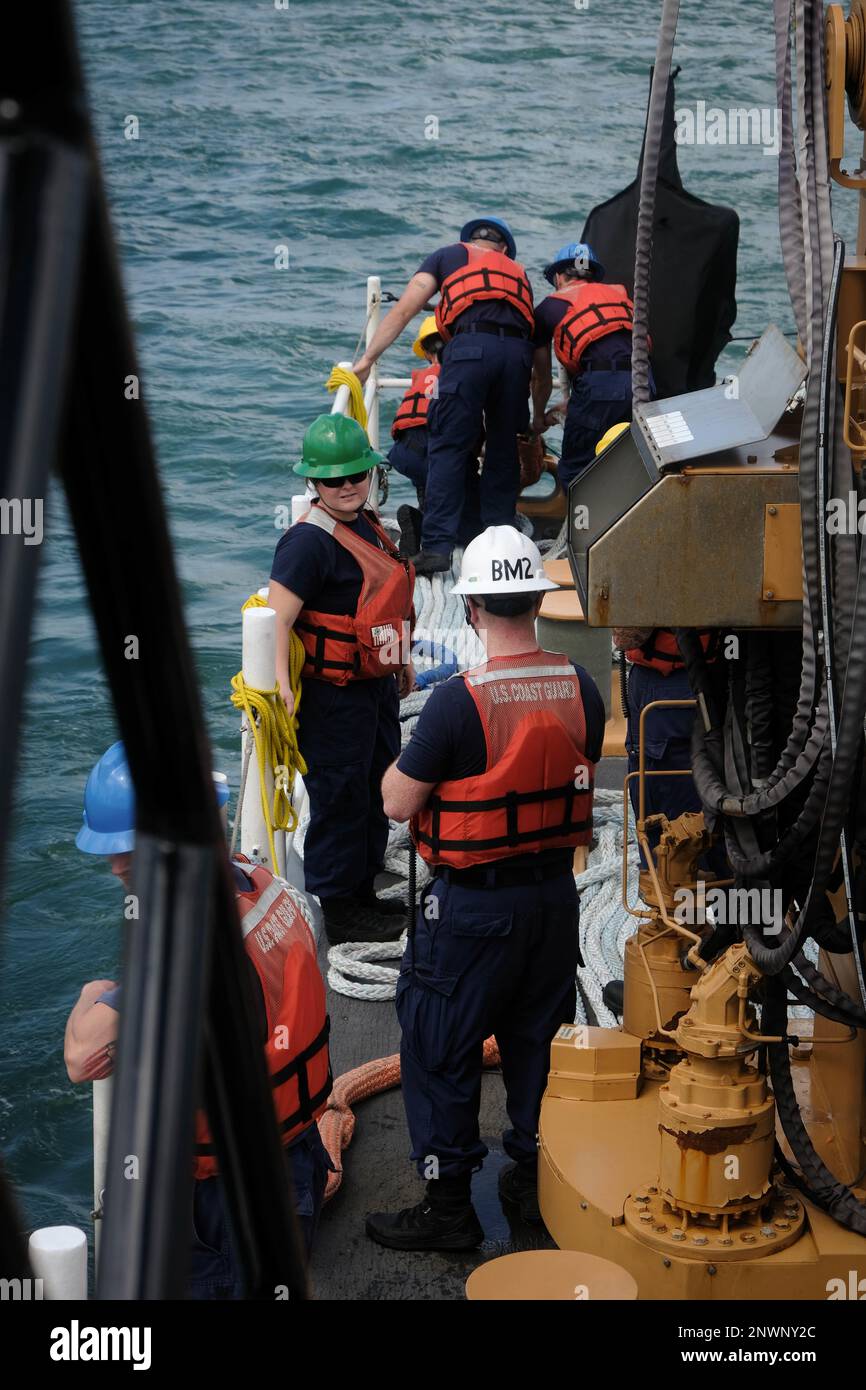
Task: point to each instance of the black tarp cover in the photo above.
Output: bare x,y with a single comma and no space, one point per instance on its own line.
694,269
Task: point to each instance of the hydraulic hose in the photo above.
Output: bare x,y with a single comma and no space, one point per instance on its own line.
647,202
817,1002
821,1185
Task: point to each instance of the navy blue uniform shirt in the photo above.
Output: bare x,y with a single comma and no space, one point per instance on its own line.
318,569
444,262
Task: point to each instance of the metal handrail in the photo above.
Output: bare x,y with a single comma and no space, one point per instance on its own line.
376,384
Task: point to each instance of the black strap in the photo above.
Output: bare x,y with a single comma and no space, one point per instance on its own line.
514,837
308,1104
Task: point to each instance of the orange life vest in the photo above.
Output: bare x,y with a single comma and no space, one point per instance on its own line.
412,410
662,652
536,792
281,947
594,311
486,275
373,641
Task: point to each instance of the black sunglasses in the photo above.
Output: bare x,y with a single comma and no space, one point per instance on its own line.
352,478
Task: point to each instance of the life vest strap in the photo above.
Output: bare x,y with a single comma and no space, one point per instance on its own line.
307,1104
510,803
318,660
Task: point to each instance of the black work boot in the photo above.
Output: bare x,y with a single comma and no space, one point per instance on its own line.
519,1184
428,562
445,1220
348,919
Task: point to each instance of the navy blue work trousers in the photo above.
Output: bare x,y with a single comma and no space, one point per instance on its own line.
482,961
668,745
348,736
667,742
597,401
214,1270
483,387
408,454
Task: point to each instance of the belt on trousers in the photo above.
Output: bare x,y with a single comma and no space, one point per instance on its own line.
605,364
501,330
497,876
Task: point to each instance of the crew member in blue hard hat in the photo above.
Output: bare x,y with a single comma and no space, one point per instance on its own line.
485,317
290,1003
339,583
589,324
497,780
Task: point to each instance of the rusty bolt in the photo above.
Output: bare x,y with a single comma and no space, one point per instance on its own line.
678,1235
711,1269
667,1264
748,1240
772,511
726,1240
769,593
645,1216
583,1206
783,1225
700,1240
767,1231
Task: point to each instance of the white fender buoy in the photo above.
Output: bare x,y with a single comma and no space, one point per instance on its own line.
260,673
58,1256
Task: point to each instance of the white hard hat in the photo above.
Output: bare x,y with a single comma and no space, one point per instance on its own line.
502,561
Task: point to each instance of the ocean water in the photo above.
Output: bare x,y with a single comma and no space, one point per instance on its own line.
359,137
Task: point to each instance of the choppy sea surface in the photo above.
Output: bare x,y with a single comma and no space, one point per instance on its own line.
359,137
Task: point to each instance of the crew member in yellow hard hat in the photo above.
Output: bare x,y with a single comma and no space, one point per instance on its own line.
589,324
497,779
485,316
339,583
409,451
408,454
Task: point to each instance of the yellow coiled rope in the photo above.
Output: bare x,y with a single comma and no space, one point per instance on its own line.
275,734
341,376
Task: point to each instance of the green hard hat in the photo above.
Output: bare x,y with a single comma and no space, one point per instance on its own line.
334,446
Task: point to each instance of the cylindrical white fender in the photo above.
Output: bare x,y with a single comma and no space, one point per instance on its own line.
58,1256
259,667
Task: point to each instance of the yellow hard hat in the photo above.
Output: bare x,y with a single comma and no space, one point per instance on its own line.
427,329
613,433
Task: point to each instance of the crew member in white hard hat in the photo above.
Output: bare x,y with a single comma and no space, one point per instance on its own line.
497,780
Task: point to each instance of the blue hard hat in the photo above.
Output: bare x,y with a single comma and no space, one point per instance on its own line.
577,255
109,806
499,224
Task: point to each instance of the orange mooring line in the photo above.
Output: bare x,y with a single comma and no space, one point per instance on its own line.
337,1125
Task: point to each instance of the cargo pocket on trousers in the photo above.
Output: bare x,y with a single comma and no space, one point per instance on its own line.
425,1012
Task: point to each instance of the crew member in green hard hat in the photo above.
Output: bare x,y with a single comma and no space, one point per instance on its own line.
485,317
340,584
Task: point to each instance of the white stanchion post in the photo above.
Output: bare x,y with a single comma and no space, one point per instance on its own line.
374,312
342,395
259,667
101,1125
58,1256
